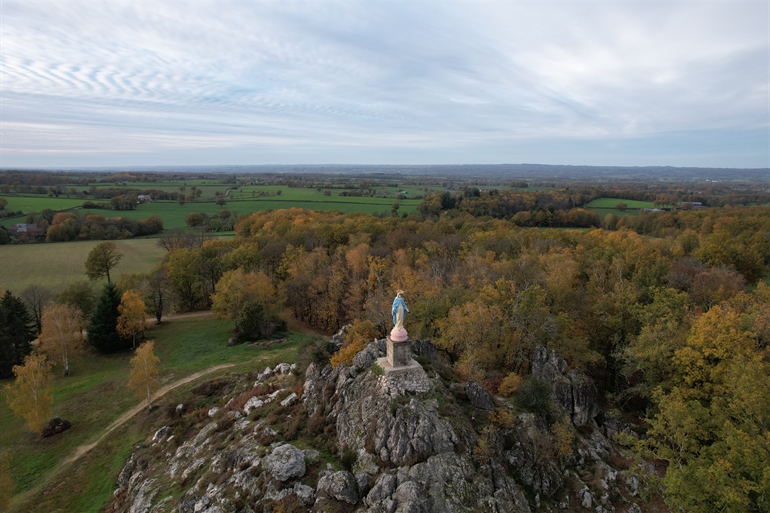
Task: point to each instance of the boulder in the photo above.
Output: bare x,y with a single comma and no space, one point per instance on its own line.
282,368
290,399
251,404
55,427
480,397
339,485
286,462
161,434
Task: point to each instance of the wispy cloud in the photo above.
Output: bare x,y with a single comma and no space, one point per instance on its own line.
350,81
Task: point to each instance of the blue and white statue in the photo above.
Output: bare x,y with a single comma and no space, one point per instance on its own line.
399,334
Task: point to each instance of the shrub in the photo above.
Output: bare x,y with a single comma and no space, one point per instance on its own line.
509,385
349,458
534,395
253,323
345,355
364,330
377,370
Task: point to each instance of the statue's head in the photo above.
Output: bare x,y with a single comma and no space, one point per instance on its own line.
399,293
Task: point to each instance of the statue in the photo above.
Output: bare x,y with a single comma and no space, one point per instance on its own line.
399,310
399,334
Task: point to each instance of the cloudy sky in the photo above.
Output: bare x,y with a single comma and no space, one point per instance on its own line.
615,82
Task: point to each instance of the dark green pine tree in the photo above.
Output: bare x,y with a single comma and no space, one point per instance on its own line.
17,330
102,328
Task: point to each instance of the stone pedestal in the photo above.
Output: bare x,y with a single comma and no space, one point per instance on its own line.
399,354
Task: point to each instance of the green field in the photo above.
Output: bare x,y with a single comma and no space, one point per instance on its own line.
611,202
96,394
604,206
57,264
240,201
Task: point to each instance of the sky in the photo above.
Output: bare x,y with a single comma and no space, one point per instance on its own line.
615,82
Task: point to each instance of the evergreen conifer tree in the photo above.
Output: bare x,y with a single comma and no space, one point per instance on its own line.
102,329
17,330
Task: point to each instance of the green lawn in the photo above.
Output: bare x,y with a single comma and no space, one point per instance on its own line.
617,213
95,394
611,202
55,265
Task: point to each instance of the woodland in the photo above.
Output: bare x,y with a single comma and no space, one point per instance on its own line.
674,326
667,311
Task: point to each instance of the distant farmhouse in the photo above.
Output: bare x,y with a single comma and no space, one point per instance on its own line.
144,197
32,230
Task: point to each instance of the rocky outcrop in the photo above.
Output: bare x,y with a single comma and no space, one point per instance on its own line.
573,391
479,396
389,444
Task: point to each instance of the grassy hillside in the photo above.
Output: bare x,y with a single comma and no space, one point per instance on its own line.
57,264
96,394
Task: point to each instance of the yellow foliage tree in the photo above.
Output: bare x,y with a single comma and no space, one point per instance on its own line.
61,337
30,396
144,372
132,315
237,287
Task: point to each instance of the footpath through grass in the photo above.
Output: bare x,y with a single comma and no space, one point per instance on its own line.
96,393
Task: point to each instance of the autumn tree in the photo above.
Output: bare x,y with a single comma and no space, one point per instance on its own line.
144,372
31,394
61,337
17,331
132,317
101,260
182,269
237,287
35,297
713,424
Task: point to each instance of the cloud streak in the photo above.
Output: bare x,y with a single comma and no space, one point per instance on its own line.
392,82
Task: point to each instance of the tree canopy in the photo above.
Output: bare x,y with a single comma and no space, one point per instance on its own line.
103,258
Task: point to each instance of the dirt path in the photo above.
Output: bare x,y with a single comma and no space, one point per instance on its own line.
23,497
81,450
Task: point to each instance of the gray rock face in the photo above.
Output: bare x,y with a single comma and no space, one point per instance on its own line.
480,397
286,462
414,430
425,348
413,499
383,488
540,475
339,485
363,359
455,486
572,390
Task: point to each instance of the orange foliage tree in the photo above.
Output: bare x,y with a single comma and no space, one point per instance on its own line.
144,372
132,317
30,396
